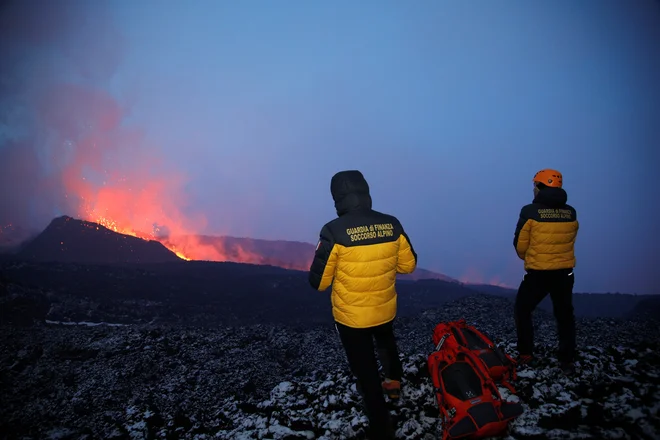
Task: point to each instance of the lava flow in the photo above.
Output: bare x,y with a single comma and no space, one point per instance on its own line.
109,174
138,214
113,226
151,214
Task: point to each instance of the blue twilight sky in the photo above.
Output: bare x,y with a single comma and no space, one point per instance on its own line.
447,107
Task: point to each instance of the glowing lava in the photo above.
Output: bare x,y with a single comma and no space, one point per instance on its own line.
114,226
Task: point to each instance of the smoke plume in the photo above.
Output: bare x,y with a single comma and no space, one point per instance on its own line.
56,58
66,144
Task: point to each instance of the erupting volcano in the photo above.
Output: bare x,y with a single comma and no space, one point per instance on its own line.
79,241
108,202
113,225
100,169
152,213
85,160
140,214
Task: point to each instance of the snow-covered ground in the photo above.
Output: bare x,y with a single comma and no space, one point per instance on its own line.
606,400
265,382
86,323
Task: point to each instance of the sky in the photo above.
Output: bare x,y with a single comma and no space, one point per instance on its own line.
231,118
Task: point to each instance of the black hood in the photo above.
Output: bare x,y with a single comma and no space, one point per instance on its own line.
552,197
350,191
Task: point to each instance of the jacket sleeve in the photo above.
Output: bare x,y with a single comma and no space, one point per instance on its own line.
322,270
407,261
521,236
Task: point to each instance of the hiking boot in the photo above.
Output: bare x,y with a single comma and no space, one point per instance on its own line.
525,359
392,388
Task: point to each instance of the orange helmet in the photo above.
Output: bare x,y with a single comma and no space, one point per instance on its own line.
549,177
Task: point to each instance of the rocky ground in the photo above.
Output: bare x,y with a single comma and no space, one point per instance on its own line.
272,382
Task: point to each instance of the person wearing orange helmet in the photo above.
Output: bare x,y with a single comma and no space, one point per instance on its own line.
545,240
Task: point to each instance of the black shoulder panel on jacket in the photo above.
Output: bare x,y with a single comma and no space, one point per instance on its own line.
542,213
364,228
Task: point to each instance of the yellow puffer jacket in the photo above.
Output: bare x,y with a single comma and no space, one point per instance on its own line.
359,254
546,232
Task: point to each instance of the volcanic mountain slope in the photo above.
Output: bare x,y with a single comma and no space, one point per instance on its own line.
275,382
288,254
70,240
282,253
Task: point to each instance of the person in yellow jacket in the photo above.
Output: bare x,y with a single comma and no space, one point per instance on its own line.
545,239
359,253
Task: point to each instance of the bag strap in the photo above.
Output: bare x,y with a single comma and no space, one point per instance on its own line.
458,329
507,385
480,368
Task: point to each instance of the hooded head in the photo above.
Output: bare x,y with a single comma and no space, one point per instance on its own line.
350,191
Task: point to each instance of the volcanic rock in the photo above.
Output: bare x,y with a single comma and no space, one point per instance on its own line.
275,382
70,240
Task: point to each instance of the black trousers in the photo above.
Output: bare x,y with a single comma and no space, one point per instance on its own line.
359,346
535,286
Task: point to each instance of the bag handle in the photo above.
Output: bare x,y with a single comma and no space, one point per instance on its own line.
442,341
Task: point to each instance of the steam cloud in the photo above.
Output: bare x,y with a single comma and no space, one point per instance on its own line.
44,46
65,144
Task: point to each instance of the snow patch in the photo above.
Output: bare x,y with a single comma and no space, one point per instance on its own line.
85,323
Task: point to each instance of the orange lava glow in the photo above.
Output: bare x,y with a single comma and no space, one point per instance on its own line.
141,214
150,210
474,276
111,175
112,225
